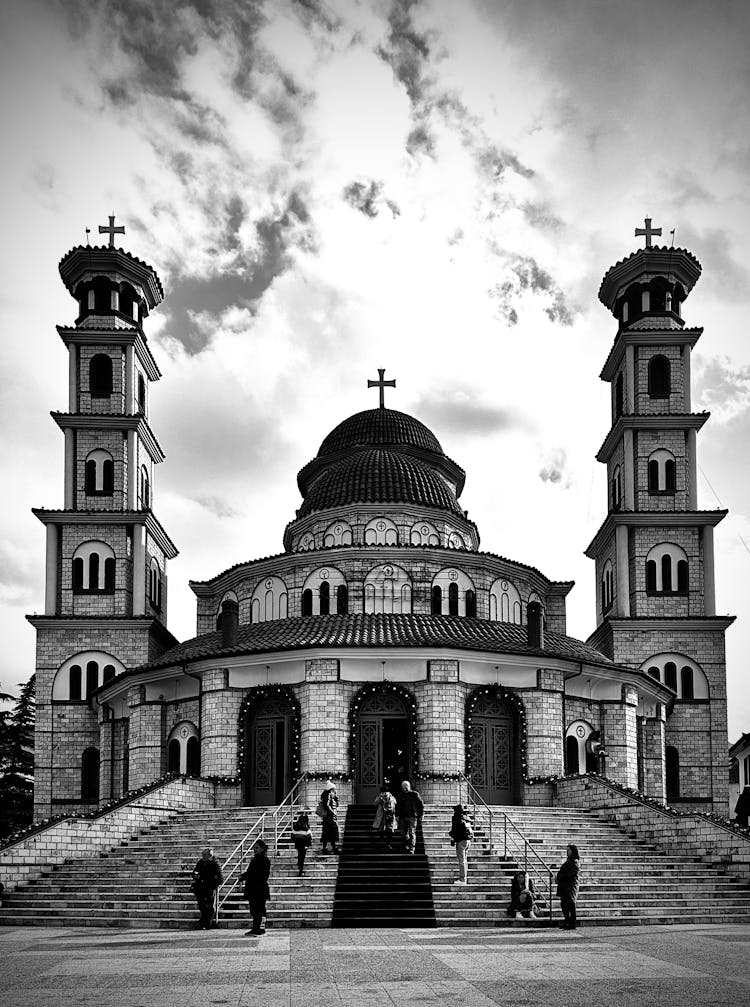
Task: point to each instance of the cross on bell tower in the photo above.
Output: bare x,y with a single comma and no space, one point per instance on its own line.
381,384
647,232
111,230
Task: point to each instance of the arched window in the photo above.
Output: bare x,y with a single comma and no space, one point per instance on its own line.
686,680
607,592
571,755
619,395
616,488
307,600
670,471
453,599
141,394
184,749
90,574
437,600
325,597
454,585
682,576
387,582
455,541
471,604
193,757
100,376
672,771
74,682
339,533
670,675
154,585
424,533
108,674
270,600
659,377
342,599
651,575
654,673
505,602
667,570
99,474
145,489
173,756
92,678
661,472
324,583
306,542
90,776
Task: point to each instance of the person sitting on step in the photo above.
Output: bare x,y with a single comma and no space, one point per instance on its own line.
522,895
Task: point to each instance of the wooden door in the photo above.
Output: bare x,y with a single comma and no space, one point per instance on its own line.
492,740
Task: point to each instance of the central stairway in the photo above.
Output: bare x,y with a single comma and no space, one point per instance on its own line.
378,887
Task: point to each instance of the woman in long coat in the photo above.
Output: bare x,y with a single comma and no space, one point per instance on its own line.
384,822
567,887
206,879
329,802
256,889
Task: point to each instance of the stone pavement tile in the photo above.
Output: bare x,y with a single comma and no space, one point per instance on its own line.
613,993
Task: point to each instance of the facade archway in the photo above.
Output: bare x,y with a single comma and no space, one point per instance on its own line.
493,745
383,740
182,756
269,745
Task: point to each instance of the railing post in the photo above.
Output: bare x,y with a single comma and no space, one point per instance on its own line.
505,837
490,833
525,854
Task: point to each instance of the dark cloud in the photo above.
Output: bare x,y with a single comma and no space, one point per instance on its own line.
368,198
528,275
408,50
421,140
458,411
541,216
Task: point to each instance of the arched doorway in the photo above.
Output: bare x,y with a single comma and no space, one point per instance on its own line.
383,740
269,751
494,749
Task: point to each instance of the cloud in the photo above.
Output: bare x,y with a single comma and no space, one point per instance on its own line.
721,386
461,411
19,574
368,198
217,506
555,470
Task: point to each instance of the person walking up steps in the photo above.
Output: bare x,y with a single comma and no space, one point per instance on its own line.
329,802
461,834
385,815
567,887
256,889
302,839
206,879
409,811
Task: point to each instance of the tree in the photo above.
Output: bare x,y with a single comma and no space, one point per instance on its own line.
17,759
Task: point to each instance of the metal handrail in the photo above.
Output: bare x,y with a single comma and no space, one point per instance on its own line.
512,843
259,827
282,814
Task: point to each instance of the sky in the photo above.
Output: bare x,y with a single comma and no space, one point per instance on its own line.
326,188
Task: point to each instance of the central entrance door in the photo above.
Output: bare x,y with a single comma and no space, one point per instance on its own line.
383,745
494,751
269,763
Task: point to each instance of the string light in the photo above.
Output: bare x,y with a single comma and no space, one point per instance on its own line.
506,696
378,689
255,695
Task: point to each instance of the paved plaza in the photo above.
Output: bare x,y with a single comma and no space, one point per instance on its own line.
670,965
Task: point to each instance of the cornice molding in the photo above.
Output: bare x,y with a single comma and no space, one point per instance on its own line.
648,421
652,519
112,421
646,337
114,337
143,517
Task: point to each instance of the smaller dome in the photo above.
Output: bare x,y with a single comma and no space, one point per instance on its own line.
379,476
379,427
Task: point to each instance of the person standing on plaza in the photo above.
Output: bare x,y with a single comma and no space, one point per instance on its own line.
302,839
409,811
385,815
206,879
567,887
256,889
327,809
461,835
742,808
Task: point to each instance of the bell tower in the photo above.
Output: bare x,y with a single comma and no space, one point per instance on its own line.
107,553
654,552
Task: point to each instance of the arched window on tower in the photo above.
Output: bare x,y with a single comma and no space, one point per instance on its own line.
661,472
90,575
606,587
141,394
145,489
672,771
619,396
100,376
99,474
687,680
659,377
670,675
667,570
616,488
92,678
154,585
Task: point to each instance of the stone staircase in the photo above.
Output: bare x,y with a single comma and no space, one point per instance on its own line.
623,881
145,882
377,886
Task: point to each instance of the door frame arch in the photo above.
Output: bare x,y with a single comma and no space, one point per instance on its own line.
252,700
518,717
374,689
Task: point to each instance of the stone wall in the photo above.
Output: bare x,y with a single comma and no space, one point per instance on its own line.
85,837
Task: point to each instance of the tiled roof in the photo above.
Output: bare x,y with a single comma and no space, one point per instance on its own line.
360,630
379,476
379,427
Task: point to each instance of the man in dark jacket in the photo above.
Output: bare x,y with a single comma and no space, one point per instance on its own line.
256,889
409,811
206,879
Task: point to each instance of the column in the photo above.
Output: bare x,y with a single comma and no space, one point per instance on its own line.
544,725
139,569
324,727
440,730
620,736
686,377
145,739
630,379
623,572
629,471
691,476
219,724
132,471
72,380
652,756
129,373
50,587
70,463
709,586
105,754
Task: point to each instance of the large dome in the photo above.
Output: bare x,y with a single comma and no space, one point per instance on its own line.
379,427
375,475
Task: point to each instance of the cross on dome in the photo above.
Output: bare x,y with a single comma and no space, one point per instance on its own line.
647,232
381,384
111,230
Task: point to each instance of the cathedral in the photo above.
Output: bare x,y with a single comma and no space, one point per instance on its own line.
381,642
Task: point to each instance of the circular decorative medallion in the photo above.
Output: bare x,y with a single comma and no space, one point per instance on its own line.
184,732
269,584
504,585
453,575
337,530
425,530
380,526
324,575
388,571
580,730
